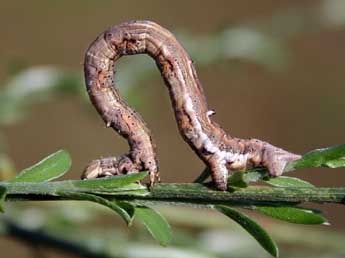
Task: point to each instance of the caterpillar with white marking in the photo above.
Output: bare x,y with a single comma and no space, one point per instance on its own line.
218,150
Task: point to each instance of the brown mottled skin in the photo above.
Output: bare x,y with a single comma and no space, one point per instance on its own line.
218,150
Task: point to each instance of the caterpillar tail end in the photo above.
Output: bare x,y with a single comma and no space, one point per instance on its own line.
276,159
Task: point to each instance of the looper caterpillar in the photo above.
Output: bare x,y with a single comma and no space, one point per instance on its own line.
221,152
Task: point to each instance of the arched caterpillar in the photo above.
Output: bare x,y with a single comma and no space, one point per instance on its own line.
218,150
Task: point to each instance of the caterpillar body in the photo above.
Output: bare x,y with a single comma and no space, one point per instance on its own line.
217,149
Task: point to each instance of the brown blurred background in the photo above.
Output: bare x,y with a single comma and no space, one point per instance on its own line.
298,105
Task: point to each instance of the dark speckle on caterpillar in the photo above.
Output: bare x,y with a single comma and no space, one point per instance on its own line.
218,150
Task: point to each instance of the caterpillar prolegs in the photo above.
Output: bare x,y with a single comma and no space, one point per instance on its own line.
218,150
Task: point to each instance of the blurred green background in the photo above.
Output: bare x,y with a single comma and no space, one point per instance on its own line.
272,69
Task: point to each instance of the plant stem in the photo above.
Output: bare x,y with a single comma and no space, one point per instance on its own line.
180,194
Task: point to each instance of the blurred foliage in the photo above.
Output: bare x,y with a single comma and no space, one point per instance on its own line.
260,42
32,86
40,84
196,233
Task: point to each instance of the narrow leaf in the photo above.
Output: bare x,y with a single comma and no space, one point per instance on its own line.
242,179
237,179
125,210
155,224
292,214
336,163
203,176
285,181
255,176
252,228
130,209
2,198
51,167
111,182
325,157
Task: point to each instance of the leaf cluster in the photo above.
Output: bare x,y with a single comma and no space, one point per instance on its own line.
131,200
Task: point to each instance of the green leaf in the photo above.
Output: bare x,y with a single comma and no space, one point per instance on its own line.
237,179
2,197
155,224
326,157
51,167
130,209
285,181
242,179
292,214
125,210
252,228
203,176
336,163
110,182
255,176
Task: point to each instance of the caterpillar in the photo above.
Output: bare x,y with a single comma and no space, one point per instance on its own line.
217,149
